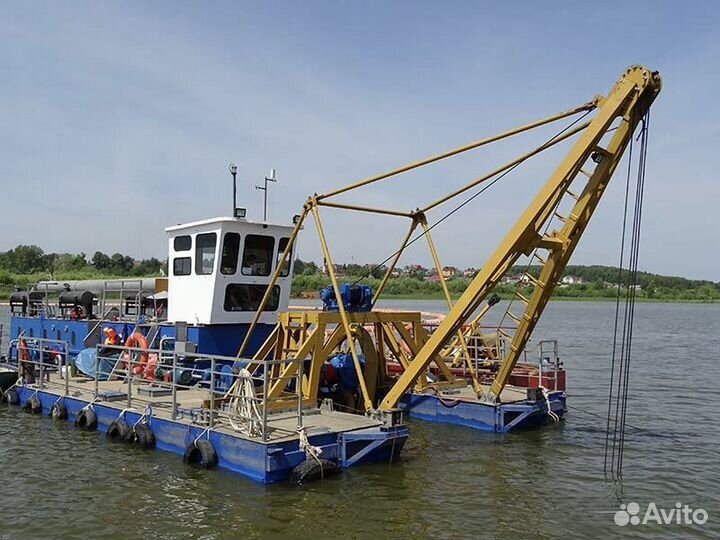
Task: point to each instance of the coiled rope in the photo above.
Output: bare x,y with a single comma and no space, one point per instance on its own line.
243,411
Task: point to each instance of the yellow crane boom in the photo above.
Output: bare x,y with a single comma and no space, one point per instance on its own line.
592,157
586,169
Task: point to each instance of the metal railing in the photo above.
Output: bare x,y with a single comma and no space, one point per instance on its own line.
228,397
36,358
165,380
479,346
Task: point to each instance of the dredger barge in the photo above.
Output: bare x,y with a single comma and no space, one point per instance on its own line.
209,362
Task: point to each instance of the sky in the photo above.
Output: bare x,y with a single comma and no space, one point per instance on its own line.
120,118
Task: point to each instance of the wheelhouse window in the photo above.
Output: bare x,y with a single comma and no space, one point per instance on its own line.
230,252
282,244
182,243
258,255
181,266
205,253
247,297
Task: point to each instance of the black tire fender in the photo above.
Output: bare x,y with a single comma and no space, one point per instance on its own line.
312,469
119,431
143,436
11,396
33,405
59,411
86,419
201,453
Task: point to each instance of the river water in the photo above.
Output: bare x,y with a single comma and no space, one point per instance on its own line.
451,483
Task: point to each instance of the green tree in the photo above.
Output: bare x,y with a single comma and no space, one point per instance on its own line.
101,261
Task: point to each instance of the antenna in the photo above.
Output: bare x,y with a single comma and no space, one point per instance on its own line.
233,171
264,188
236,212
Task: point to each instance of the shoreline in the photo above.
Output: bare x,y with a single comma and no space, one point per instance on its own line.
420,298
552,299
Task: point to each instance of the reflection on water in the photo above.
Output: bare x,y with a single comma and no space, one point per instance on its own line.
451,483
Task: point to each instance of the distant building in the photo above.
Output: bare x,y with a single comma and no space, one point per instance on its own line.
416,270
339,269
470,272
449,271
571,280
515,279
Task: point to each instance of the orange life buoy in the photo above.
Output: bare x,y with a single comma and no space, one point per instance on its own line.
139,341
23,350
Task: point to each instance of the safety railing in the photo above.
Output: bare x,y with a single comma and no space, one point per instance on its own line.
208,390
540,362
549,364
37,358
41,307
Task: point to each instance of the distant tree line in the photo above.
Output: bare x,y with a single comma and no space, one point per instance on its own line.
598,282
24,264
27,264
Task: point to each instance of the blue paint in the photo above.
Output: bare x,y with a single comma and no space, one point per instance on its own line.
263,462
219,339
485,417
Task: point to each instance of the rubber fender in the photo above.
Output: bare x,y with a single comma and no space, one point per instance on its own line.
312,469
11,396
201,453
59,411
33,405
143,436
86,419
119,431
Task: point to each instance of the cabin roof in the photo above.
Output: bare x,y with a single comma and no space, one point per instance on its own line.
220,221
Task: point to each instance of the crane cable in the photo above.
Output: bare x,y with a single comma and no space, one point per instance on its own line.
469,199
620,377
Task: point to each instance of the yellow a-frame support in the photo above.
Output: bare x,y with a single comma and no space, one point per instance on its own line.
592,157
315,336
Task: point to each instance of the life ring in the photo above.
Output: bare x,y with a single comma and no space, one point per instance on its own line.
86,419
137,340
201,453
23,350
151,367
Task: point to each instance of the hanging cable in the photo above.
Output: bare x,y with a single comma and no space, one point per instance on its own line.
620,378
617,303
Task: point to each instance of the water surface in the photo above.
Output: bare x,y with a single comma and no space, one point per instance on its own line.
452,482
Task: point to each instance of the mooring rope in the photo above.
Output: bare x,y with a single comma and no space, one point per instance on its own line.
311,452
551,414
244,415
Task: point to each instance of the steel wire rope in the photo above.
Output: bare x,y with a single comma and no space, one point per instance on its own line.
469,199
623,371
